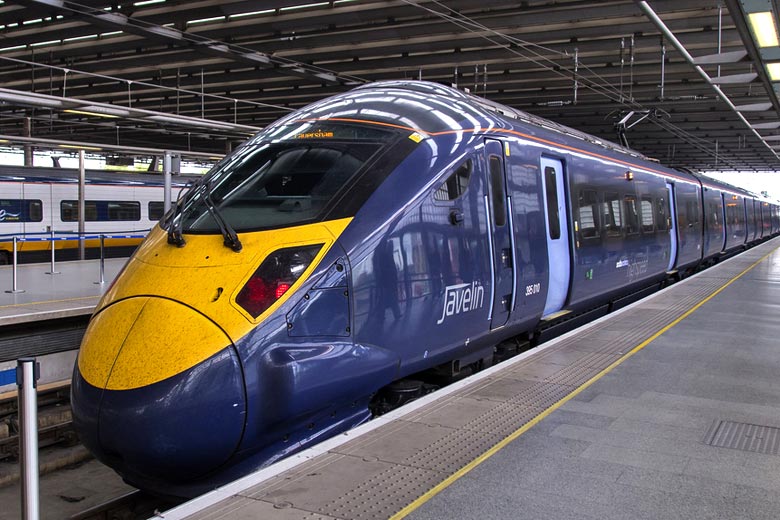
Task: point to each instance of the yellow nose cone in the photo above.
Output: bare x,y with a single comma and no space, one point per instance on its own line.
143,340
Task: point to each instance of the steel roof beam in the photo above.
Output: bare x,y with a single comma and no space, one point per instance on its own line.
682,50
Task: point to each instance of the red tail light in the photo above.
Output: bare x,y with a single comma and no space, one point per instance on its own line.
281,288
278,272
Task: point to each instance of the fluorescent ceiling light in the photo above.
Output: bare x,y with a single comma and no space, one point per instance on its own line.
77,147
165,32
773,69
764,28
86,113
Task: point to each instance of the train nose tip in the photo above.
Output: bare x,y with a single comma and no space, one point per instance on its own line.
160,412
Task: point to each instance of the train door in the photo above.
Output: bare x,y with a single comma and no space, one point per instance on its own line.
500,236
724,223
557,235
672,228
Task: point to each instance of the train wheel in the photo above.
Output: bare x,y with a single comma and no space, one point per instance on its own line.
5,258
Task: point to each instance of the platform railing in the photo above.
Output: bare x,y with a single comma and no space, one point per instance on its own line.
58,236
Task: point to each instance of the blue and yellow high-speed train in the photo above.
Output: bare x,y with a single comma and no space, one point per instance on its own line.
397,230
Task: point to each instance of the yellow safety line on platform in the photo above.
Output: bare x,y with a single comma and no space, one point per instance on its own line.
495,449
49,301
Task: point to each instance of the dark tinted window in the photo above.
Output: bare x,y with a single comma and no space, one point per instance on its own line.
661,214
646,214
692,211
21,210
456,183
588,221
631,218
156,210
101,211
551,186
612,215
290,175
497,187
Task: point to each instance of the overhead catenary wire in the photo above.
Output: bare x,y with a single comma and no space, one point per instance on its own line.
598,85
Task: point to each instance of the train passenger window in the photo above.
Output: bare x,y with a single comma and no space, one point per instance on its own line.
101,210
588,220
125,211
713,215
731,213
692,212
21,210
456,184
661,214
551,185
497,187
612,215
156,210
631,217
646,205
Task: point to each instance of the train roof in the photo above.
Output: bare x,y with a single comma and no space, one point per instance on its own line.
71,176
433,108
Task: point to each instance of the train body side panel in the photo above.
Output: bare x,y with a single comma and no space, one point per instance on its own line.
620,229
750,212
420,259
524,179
736,230
689,224
714,238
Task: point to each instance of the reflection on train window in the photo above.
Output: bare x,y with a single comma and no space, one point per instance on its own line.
156,210
20,210
456,183
497,187
589,214
551,186
732,213
101,211
611,215
692,211
273,184
646,205
661,214
631,217
714,215
417,269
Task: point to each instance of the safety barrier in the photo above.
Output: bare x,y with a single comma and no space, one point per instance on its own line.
57,236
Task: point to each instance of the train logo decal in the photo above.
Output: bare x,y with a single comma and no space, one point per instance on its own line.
460,298
8,216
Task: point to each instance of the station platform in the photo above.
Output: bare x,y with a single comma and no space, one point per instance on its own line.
668,408
62,301
73,291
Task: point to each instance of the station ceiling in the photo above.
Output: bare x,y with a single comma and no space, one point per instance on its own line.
691,88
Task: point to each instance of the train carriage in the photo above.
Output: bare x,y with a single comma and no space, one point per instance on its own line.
36,201
354,253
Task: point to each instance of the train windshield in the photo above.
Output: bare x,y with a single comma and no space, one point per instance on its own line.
292,175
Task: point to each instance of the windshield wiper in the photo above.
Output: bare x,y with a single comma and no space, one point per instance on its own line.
229,235
175,229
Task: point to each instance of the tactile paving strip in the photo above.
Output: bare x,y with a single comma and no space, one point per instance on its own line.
445,435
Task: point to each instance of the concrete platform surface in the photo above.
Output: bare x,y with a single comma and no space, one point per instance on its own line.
646,413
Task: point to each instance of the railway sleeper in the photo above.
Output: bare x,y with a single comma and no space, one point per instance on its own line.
54,427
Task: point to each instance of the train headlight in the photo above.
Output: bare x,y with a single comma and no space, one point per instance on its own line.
278,272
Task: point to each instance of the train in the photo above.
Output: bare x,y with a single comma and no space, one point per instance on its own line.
35,201
357,252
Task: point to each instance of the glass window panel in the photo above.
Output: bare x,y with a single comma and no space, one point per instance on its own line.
551,185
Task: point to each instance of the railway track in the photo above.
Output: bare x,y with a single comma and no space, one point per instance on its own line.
54,426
